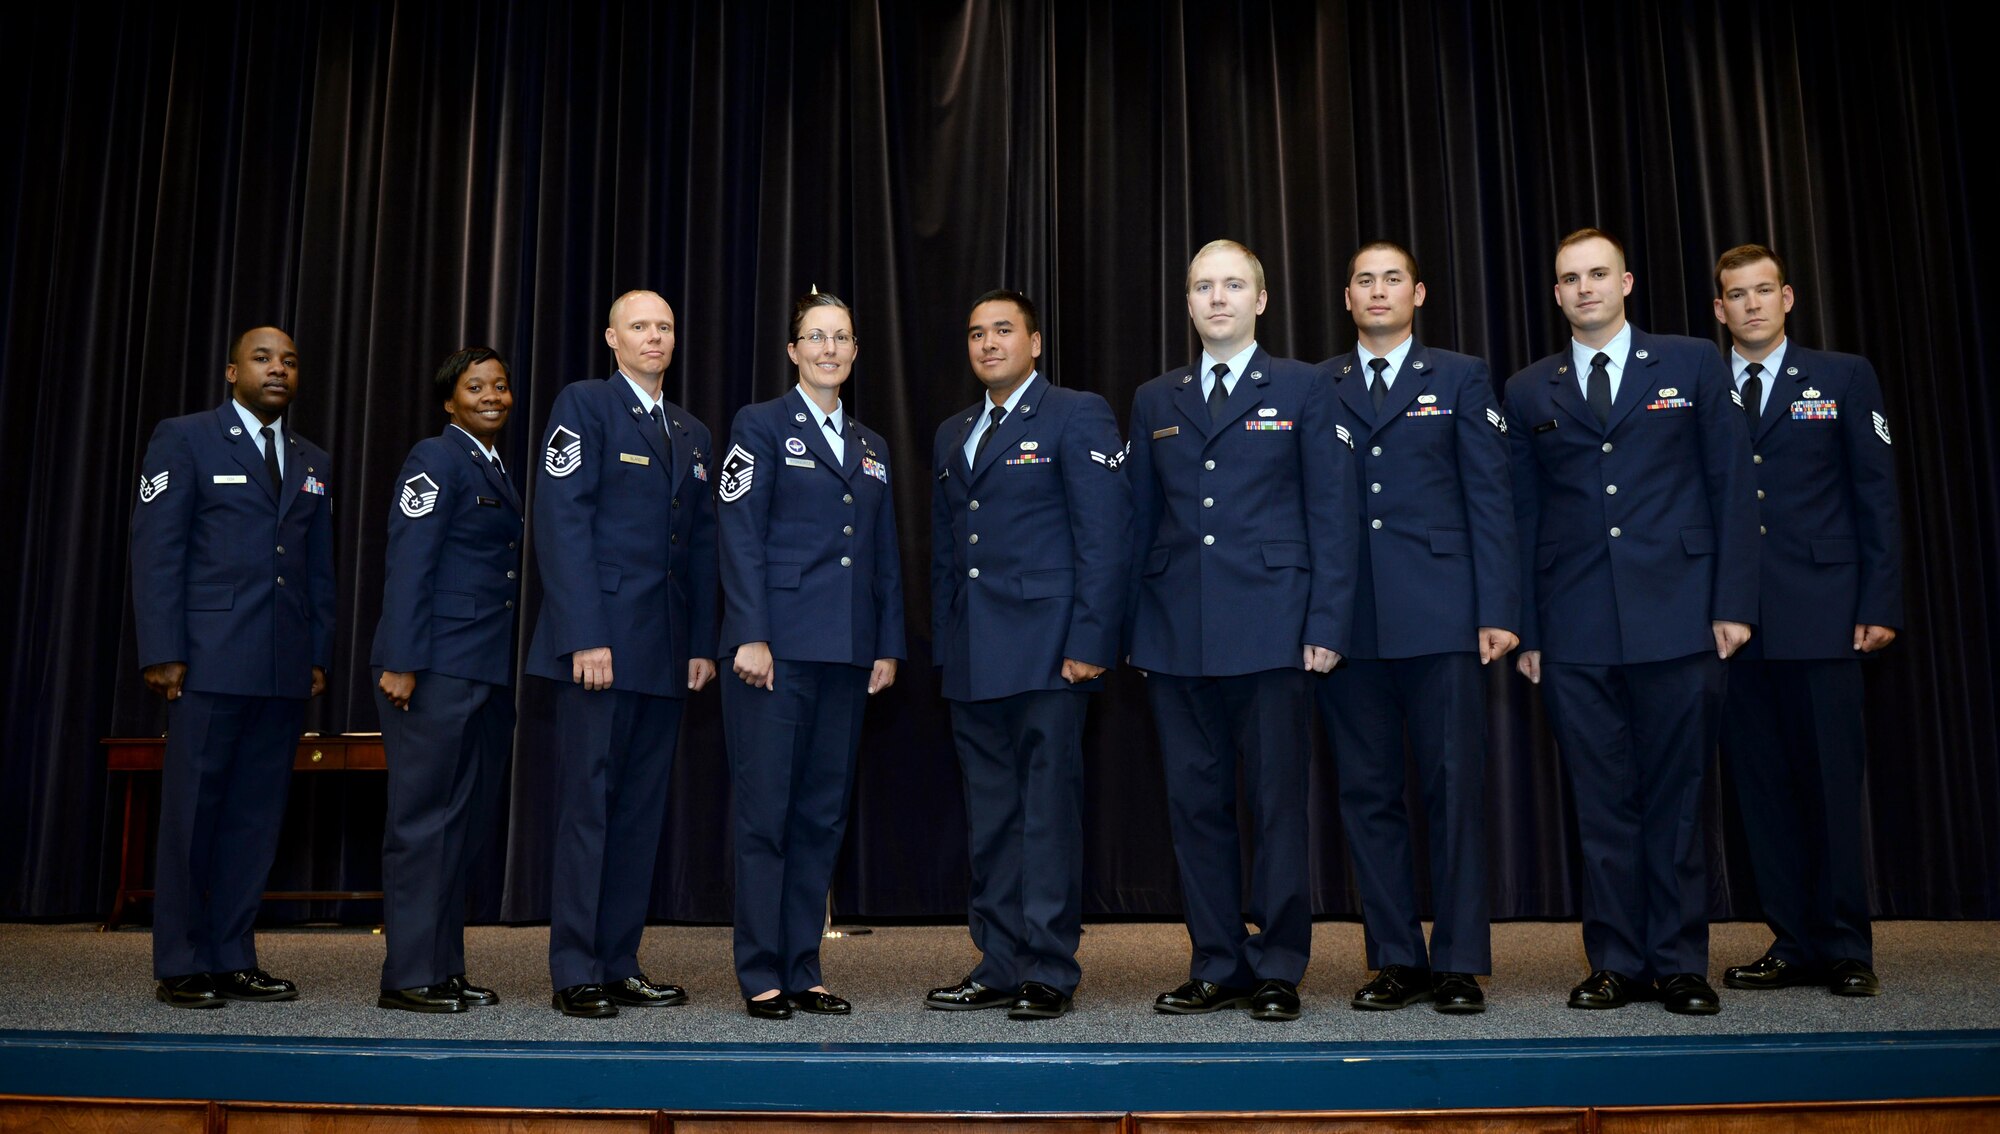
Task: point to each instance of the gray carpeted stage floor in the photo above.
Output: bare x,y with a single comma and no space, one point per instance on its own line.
1938,975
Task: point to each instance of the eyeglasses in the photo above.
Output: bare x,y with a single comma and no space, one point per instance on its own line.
818,339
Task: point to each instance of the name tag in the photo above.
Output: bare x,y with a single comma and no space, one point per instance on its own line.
802,462
1545,426
1169,431
487,501
237,478
635,459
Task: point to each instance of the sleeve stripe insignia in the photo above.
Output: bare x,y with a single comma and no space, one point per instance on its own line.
1737,397
565,452
1341,434
1114,460
151,488
738,470
419,496
1494,419
1881,425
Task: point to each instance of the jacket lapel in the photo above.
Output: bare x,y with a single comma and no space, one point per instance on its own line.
1009,432
492,475
243,449
1245,397
1410,380
1351,381
1188,400
1778,403
1566,390
1636,385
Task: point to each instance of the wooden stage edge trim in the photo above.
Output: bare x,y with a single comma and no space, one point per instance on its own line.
1656,1071
116,1116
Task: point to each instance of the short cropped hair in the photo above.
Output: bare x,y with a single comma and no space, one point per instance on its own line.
812,299
1256,265
445,382
1744,255
236,343
1029,319
1583,234
611,317
1416,274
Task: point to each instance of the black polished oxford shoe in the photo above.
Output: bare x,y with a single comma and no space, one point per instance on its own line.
584,1001
1688,994
195,990
424,998
254,984
1766,972
1038,1001
1456,994
1852,978
770,1008
819,1003
1394,987
968,995
1605,989
1198,996
638,992
471,995
1275,1000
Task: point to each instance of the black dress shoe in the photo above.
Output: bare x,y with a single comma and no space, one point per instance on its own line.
471,995
1852,978
1394,987
771,1008
586,1001
1198,996
1605,989
1766,972
1456,994
1688,994
819,1003
196,990
638,992
1275,1000
254,984
968,995
424,998
1038,1001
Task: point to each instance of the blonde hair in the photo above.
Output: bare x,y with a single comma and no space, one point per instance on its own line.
1256,265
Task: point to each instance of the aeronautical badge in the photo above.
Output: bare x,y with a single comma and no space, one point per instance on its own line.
795,447
419,497
738,470
1670,391
1494,419
1427,399
1030,446
1881,425
565,452
1267,411
1341,434
151,488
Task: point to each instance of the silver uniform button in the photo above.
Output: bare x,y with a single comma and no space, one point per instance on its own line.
847,498
510,604
1615,533
1760,494
281,580
847,529
1762,530
1207,540
972,506
1209,465
510,574
1757,459
1376,524
1610,490
281,549
972,574
1376,451
974,538
1607,446
1376,487
846,562
1208,501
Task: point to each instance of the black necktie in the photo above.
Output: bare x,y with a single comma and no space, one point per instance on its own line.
986,438
666,439
1597,391
839,451
271,462
498,468
1753,393
1218,394
1377,387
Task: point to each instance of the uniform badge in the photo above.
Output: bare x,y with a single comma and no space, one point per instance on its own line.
1256,375
795,447
231,478
1494,419
419,496
1670,399
801,462
1186,378
1670,391
565,452
1792,371
1030,446
700,472
1341,434
799,417
1348,367
1417,365
1169,431
1639,354
1267,411
236,431
1111,461
1431,409
1815,408
635,458
1809,393
1562,370
1881,425
314,485
1026,408
151,488
1265,426
1427,399
875,468
738,470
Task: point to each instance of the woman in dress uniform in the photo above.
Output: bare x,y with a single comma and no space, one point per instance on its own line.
444,684
812,624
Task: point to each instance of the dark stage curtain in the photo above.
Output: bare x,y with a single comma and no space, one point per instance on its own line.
389,181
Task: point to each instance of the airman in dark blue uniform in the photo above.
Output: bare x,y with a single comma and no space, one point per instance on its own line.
232,589
1830,593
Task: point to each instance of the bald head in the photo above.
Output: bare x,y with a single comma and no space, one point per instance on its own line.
641,336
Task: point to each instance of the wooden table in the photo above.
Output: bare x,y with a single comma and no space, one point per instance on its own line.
139,758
